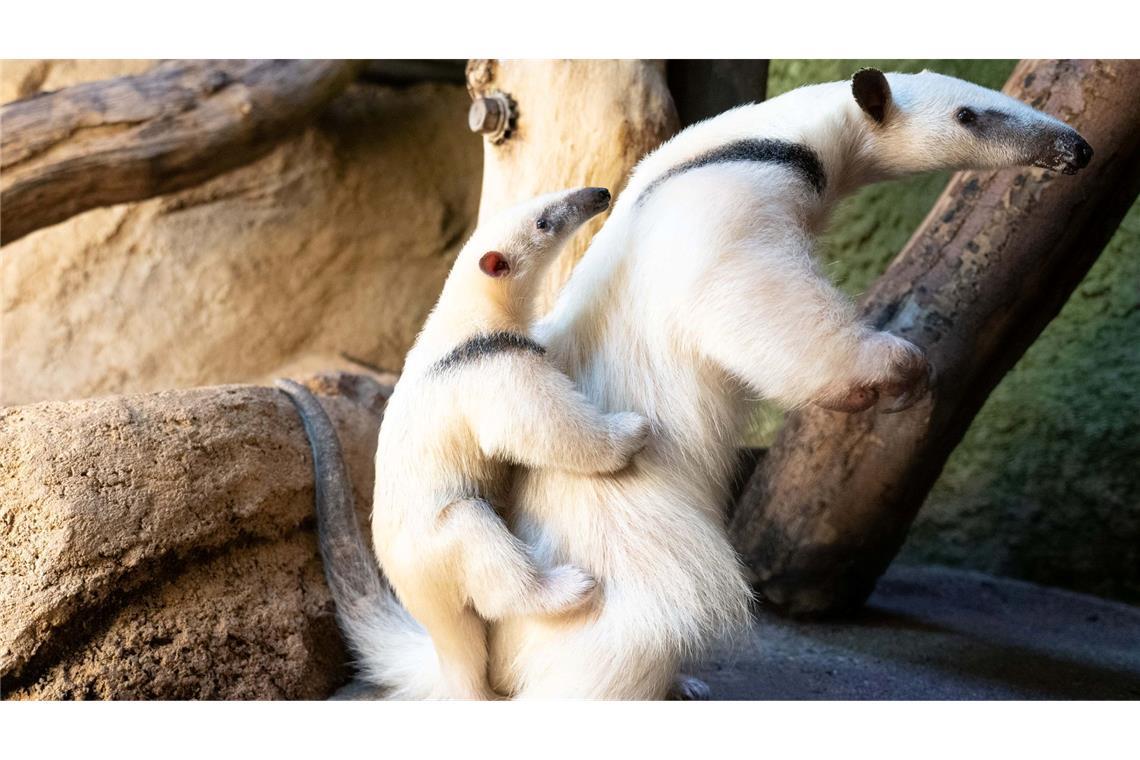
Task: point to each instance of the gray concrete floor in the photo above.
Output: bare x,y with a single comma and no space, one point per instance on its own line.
935,633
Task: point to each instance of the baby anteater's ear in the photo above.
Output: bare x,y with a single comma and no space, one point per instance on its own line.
494,264
872,93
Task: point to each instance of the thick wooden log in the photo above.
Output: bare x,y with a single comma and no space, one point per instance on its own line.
829,506
703,88
132,138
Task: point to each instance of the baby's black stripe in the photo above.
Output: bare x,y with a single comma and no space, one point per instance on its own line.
488,344
798,157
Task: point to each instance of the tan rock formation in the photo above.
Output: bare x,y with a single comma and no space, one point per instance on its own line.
161,545
335,243
25,77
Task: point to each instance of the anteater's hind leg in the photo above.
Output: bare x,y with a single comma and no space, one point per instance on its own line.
499,576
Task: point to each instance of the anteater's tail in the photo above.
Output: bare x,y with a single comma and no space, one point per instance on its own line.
392,650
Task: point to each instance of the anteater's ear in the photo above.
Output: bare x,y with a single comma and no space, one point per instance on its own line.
872,92
494,264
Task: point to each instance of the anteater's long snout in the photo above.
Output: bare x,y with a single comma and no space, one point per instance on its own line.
1067,153
1082,153
590,200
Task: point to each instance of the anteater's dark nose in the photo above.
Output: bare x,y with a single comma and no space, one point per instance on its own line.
1083,153
603,195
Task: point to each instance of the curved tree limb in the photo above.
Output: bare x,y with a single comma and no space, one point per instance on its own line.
136,137
829,506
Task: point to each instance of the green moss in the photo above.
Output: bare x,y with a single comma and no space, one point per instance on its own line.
1044,486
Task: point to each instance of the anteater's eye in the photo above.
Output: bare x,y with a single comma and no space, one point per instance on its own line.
966,116
542,224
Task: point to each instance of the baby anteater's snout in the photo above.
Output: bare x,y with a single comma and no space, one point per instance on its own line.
562,213
578,206
595,200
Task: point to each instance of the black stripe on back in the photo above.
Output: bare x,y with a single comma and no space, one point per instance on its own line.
800,158
488,344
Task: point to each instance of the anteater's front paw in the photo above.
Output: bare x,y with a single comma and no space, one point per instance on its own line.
891,368
909,376
853,400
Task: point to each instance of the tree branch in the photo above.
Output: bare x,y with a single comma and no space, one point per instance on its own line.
133,138
829,506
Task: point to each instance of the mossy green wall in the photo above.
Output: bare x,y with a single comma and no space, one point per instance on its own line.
1046,484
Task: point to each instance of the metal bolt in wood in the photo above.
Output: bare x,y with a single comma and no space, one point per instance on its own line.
492,116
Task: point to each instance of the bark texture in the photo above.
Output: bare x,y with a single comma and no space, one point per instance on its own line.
127,139
829,506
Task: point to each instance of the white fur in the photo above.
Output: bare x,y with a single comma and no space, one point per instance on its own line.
687,306
445,447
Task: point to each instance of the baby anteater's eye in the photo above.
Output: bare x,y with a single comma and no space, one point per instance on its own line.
541,224
966,116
